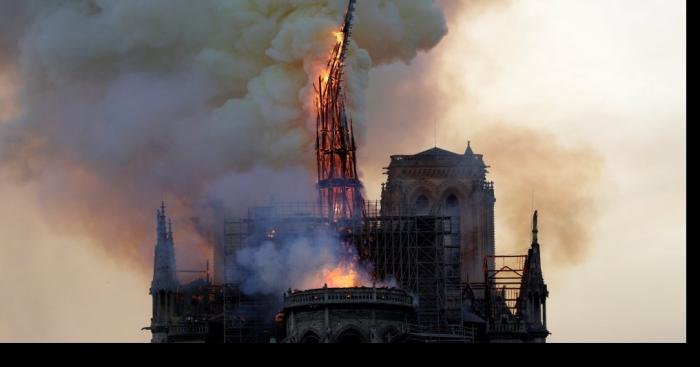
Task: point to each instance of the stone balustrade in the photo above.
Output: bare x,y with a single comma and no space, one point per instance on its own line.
328,296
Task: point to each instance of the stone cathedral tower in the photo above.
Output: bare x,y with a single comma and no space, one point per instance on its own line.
441,182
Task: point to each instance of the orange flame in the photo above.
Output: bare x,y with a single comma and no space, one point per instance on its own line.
321,69
339,36
342,276
346,274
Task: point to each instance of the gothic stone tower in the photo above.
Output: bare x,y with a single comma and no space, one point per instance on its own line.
444,183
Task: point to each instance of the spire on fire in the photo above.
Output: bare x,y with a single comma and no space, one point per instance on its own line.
339,187
164,273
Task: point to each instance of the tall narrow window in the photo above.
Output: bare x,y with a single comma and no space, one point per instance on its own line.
452,205
422,204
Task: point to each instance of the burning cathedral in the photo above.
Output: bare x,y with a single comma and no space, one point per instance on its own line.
433,275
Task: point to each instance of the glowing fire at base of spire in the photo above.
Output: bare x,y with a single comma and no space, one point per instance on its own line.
344,275
348,274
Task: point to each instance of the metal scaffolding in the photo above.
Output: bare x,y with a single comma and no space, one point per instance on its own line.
241,313
245,317
248,318
503,285
422,253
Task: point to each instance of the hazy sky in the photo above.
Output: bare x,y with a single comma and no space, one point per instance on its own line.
604,77
610,74
600,79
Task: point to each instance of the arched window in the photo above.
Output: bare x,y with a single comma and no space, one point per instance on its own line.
350,336
422,203
452,204
310,338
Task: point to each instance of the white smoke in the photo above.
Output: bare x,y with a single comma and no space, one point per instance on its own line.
271,268
124,103
310,261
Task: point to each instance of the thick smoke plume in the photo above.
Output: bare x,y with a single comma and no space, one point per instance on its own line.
444,106
123,103
533,170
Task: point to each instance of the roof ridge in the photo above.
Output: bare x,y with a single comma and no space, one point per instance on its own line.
437,152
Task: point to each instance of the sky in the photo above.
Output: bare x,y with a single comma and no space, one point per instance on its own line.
579,104
605,78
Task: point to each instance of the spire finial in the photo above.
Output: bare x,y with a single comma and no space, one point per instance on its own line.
160,220
469,148
534,228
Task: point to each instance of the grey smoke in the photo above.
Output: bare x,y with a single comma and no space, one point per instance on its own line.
124,103
271,268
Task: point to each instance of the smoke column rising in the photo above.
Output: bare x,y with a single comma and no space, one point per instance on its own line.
607,74
565,177
311,261
124,103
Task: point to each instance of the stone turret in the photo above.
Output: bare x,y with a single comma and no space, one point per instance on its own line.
534,290
164,274
164,283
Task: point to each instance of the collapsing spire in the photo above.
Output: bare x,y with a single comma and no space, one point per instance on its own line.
338,184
